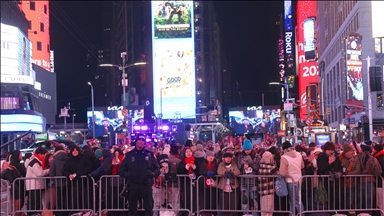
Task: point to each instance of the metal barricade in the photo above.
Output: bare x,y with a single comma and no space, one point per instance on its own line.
252,195
6,200
344,195
173,195
55,194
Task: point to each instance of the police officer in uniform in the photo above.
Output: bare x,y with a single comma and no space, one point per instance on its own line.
140,167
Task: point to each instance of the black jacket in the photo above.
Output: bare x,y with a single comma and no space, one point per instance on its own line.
324,168
80,165
57,166
105,165
140,167
10,174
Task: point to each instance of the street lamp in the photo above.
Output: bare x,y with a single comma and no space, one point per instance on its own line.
93,111
124,81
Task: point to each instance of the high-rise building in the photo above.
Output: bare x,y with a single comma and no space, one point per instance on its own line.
345,41
37,14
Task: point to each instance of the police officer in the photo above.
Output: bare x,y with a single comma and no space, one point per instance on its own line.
140,167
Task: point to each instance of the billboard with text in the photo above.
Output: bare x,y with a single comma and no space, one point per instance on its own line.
308,69
353,60
173,59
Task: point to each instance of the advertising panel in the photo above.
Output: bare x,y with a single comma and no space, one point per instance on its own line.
377,18
173,59
16,52
308,71
248,120
110,119
353,60
289,37
22,123
281,59
313,101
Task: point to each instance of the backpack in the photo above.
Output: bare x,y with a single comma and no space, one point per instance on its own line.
281,187
321,195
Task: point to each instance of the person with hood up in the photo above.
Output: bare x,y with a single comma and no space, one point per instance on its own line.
266,184
94,161
61,185
378,153
199,155
10,173
76,166
291,164
15,160
34,186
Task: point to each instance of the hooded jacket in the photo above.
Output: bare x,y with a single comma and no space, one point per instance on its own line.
10,174
105,165
80,165
15,161
57,166
35,170
291,164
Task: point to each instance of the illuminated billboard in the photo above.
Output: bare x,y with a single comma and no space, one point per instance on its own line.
15,53
377,18
308,70
289,36
254,120
22,123
313,101
37,12
173,52
353,60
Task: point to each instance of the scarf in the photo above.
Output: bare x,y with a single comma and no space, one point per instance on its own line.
41,160
209,168
190,160
379,153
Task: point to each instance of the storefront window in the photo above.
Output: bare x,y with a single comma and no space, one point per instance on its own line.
9,103
380,101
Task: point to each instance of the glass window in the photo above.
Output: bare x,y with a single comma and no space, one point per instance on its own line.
48,48
9,103
38,45
29,24
45,9
380,100
42,27
32,5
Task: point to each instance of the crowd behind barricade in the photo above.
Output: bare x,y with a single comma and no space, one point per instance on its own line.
217,176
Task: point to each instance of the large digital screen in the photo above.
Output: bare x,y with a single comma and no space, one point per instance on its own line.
289,36
353,59
22,123
377,18
321,139
309,39
173,59
308,71
288,15
111,120
244,120
16,51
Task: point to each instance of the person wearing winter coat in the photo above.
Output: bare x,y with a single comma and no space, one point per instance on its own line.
11,173
378,153
61,184
95,163
76,166
15,160
187,166
266,184
173,190
369,166
228,184
207,182
199,155
34,186
291,164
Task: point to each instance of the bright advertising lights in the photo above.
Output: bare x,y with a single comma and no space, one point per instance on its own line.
308,70
353,49
377,18
173,58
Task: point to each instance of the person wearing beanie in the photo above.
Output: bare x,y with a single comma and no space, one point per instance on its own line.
291,164
369,166
208,169
228,184
247,151
98,153
105,167
378,153
199,155
265,184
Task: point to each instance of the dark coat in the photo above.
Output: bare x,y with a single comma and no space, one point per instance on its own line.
57,166
10,174
81,165
203,170
105,165
380,157
15,161
324,168
140,167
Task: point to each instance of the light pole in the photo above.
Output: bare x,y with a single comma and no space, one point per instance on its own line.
369,99
93,111
124,81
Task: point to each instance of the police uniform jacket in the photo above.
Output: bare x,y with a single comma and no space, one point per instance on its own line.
140,167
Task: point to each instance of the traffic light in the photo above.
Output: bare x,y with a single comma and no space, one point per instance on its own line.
124,126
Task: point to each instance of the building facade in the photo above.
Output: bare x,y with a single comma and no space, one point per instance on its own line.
337,22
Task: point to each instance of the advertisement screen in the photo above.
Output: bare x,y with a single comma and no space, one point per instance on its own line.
22,123
16,52
377,18
288,15
309,39
243,120
321,139
173,59
308,70
108,120
353,49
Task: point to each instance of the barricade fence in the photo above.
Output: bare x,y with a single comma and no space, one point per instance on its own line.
181,195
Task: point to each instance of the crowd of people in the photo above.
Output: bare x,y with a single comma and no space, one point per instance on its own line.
161,176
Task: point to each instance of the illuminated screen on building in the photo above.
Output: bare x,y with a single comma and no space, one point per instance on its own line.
353,49
173,59
254,120
39,31
15,53
307,62
289,37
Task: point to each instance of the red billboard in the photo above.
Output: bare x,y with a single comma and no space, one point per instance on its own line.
308,69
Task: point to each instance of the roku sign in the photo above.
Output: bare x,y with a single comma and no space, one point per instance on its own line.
288,42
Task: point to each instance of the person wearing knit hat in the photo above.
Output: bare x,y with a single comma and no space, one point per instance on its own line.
286,145
199,147
366,145
98,153
209,153
188,143
227,154
348,148
247,145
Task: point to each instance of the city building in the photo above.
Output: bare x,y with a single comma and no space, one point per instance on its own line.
345,40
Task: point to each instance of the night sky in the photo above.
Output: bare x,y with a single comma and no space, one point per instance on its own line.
248,32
